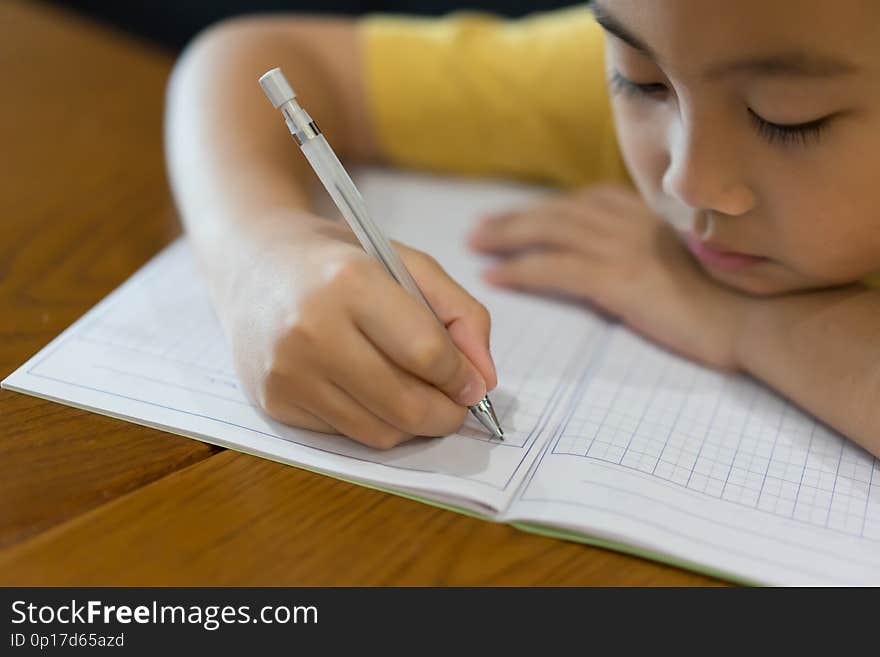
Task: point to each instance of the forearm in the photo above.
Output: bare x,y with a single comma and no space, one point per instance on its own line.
822,351
238,178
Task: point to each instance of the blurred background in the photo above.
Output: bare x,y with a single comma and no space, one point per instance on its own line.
171,23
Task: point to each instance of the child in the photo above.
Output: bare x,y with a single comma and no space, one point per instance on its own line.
750,131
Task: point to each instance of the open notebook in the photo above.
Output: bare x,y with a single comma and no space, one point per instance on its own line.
610,439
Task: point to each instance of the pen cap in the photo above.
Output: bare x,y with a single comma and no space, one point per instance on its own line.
276,87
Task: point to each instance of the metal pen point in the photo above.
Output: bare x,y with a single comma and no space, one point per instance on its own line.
485,413
351,204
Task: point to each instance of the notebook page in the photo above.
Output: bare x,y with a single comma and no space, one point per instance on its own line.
712,470
153,353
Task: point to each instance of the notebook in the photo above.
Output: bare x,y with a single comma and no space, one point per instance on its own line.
610,439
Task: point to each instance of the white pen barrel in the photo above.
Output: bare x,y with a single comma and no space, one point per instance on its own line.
353,208
351,204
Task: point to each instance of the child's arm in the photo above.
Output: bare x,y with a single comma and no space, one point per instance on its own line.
602,244
322,337
822,350
236,174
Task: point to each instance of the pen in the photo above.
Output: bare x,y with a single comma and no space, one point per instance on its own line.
351,204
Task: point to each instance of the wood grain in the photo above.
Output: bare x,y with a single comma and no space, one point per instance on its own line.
235,520
83,203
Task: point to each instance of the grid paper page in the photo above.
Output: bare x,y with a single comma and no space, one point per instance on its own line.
749,484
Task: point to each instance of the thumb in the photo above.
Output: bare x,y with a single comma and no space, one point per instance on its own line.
470,336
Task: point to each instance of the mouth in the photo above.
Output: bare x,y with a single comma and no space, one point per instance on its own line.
716,258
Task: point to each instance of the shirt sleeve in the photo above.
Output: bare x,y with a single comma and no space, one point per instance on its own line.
475,94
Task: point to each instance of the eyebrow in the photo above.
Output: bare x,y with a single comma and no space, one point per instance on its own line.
791,64
615,27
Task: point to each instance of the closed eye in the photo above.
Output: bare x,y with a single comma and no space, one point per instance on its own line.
783,134
621,84
789,134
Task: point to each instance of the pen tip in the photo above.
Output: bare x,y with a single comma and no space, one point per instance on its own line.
485,413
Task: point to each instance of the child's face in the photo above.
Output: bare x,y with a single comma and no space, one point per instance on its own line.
763,114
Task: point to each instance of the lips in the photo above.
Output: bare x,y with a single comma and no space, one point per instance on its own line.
720,259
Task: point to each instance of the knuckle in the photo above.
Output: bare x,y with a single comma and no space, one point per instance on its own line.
430,261
271,393
309,326
411,413
275,386
421,261
425,258
299,337
452,420
351,276
428,353
299,331
384,439
483,316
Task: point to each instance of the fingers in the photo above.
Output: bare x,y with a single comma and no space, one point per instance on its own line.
562,271
391,394
409,334
563,227
326,340
363,358
355,390
332,410
296,416
610,197
571,274
585,220
471,336
467,321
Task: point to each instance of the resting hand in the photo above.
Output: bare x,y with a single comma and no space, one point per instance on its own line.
604,246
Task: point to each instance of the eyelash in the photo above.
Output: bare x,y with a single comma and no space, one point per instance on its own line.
620,84
800,134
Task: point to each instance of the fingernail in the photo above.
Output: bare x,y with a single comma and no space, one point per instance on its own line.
473,391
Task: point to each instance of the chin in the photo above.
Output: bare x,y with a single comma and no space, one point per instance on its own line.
760,281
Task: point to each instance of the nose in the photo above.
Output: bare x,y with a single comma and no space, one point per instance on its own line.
703,170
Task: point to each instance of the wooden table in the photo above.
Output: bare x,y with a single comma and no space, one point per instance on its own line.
89,500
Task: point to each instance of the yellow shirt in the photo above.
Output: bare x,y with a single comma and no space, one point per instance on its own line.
473,93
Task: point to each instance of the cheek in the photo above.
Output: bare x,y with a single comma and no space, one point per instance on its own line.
826,235
825,208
